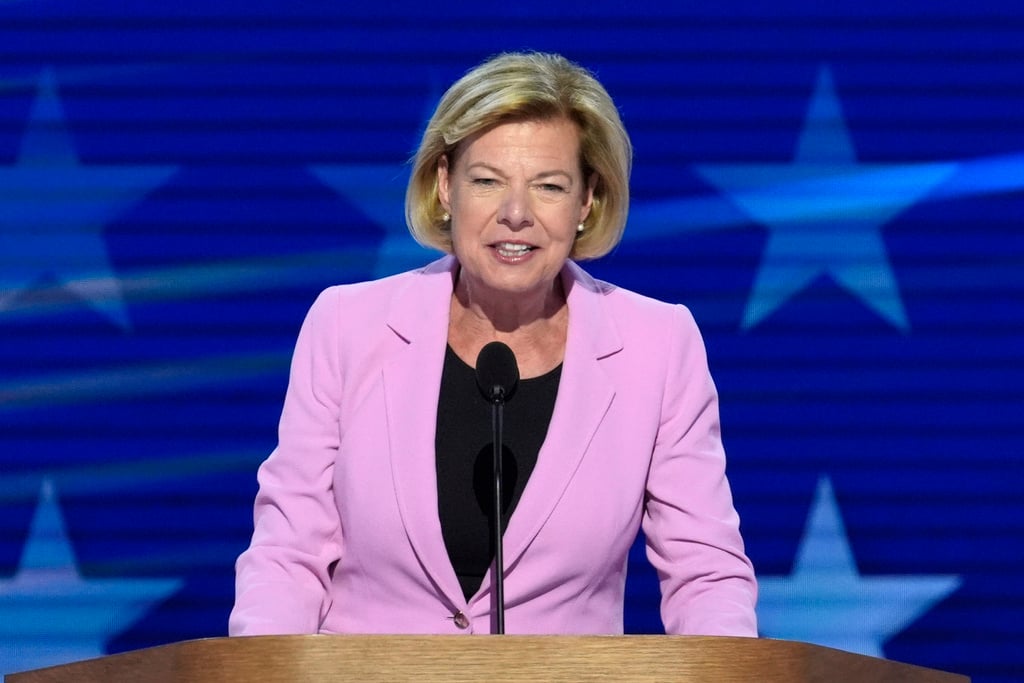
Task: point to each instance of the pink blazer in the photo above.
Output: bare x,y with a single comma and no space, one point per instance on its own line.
347,537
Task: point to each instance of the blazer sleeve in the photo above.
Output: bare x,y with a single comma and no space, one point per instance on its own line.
282,579
690,524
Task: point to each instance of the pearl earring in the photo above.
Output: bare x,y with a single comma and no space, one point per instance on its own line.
446,217
580,228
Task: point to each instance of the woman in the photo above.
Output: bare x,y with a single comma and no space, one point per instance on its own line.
367,518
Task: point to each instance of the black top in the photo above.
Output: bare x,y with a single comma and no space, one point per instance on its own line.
465,454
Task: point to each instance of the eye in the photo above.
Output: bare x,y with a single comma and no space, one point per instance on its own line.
484,182
552,187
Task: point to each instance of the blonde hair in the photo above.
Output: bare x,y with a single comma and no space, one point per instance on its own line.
524,86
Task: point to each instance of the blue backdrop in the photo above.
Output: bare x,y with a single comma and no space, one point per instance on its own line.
835,189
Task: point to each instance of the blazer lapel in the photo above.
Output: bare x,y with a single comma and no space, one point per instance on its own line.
419,316
584,395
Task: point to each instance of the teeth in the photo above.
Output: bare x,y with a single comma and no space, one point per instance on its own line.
510,249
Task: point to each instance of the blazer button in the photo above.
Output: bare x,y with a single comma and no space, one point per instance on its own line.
461,620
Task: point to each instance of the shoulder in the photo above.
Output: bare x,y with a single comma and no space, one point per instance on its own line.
361,303
354,328
369,293
632,313
638,334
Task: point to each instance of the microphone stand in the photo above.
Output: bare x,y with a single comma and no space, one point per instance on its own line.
497,375
497,415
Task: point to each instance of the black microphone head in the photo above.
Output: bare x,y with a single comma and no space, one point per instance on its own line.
497,373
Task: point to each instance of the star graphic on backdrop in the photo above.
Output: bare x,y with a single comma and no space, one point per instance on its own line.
824,212
53,211
378,191
51,615
826,601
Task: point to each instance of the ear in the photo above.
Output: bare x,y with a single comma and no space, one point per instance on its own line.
443,193
588,197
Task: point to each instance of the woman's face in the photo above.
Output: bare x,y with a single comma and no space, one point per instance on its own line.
516,194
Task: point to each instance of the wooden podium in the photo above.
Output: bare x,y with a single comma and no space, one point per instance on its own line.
288,659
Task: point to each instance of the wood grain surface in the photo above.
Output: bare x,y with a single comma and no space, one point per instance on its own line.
286,659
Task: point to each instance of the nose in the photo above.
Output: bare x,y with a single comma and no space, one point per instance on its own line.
514,211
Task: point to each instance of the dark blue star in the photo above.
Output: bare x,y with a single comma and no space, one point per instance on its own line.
53,211
379,193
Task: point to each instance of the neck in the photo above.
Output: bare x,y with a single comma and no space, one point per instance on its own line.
503,313
533,327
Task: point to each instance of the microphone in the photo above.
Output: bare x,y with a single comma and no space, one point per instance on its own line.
497,375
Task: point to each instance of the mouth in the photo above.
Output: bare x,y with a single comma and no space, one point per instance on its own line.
512,249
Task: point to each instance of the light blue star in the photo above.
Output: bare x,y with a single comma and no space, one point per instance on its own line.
379,193
49,614
827,602
825,212
53,211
